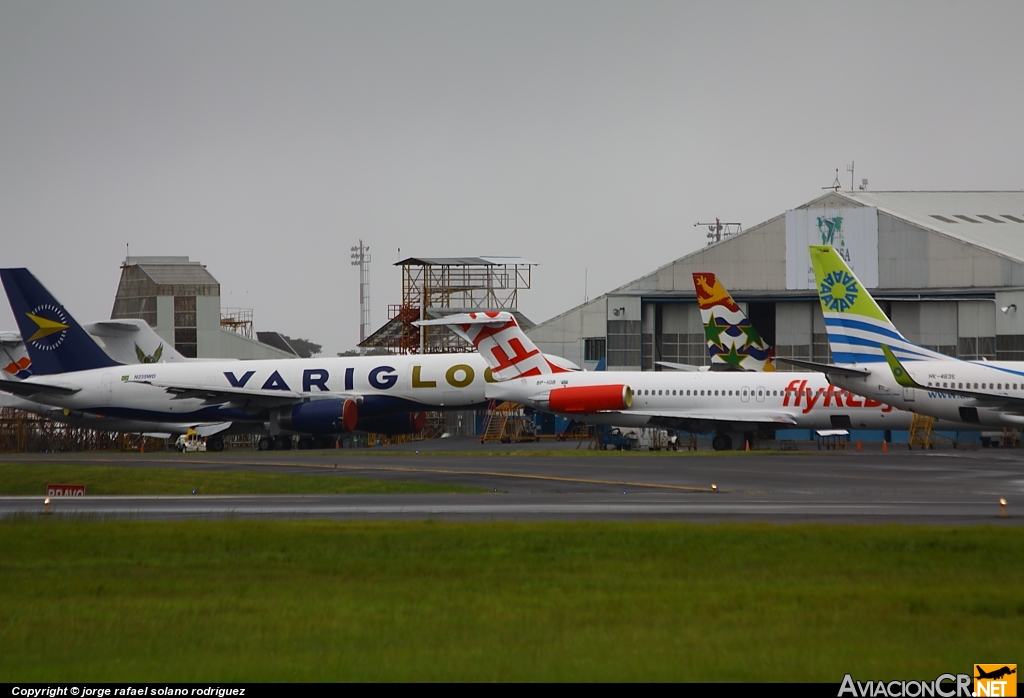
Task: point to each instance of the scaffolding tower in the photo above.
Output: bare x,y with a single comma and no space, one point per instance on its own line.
237,320
433,287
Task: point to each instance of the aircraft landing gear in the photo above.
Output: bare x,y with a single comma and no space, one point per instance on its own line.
215,443
265,444
282,443
721,442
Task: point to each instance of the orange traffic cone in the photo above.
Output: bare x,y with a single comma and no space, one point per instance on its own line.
885,447
337,443
142,447
859,447
747,446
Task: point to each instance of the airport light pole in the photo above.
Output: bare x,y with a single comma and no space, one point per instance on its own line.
361,258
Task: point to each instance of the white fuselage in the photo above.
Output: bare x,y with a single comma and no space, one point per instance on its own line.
1003,378
808,400
384,384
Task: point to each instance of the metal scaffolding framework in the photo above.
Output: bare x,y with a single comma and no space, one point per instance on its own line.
435,287
238,320
22,432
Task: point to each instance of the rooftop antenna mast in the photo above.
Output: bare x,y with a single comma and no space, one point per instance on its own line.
718,229
361,258
849,168
836,186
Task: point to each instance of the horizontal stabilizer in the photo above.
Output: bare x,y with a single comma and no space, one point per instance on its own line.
103,326
827,368
27,388
678,367
720,416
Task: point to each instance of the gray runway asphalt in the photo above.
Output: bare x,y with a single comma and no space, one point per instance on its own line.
942,487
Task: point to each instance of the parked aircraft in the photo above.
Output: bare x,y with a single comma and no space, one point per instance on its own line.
868,349
733,405
315,398
122,340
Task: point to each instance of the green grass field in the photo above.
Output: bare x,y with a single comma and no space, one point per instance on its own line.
32,479
323,601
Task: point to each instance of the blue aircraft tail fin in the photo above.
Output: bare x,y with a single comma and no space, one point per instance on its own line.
56,343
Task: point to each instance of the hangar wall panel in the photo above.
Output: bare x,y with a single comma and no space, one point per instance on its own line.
976,330
794,322
625,336
165,318
755,259
682,337
907,320
1010,326
902,254
931,324
564,336
676,318
976,319
939,326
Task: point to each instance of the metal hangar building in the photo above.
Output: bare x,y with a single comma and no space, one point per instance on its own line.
180,300
948,268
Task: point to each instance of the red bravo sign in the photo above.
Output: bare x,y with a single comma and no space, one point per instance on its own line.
65,490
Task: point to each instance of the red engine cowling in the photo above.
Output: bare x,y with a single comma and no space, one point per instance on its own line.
590,398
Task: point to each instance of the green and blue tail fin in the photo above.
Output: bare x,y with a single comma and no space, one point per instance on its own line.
857,328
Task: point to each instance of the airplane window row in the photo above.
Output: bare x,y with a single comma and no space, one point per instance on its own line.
984,386
724,393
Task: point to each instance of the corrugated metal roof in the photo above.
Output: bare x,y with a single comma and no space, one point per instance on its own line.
463,261
993,220
192,273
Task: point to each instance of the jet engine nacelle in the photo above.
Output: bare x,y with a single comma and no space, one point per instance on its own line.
394,424
590,398
319,417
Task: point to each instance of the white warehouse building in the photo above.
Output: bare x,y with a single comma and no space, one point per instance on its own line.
948,268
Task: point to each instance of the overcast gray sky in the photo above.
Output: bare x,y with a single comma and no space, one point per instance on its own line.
264,139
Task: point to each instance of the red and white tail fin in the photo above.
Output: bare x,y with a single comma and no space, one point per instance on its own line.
502,343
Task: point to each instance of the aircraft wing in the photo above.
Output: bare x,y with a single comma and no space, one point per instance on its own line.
678,367
242,397
27,388
827,368
746,417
